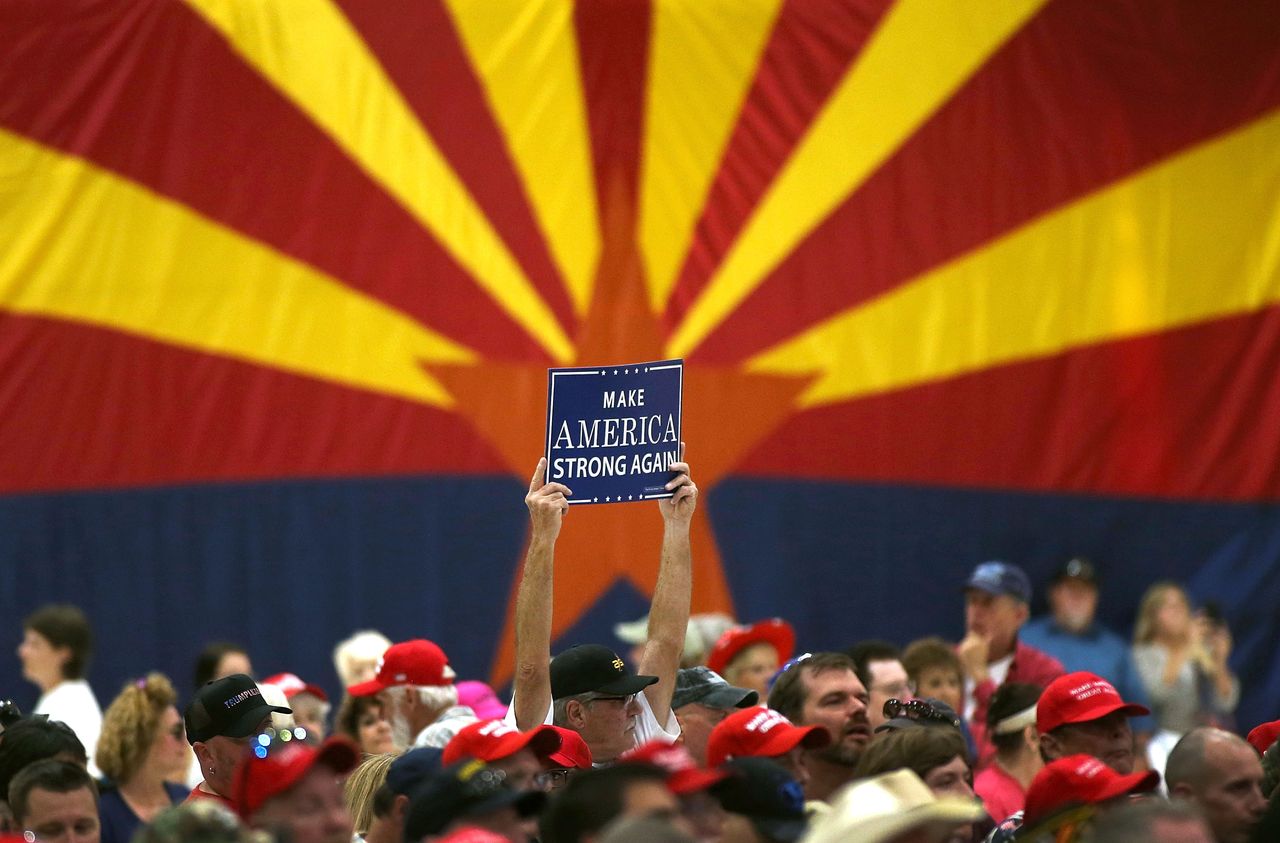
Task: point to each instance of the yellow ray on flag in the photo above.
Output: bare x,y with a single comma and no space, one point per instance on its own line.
921,53
310,52
703,58
81,243
526,55
1191,239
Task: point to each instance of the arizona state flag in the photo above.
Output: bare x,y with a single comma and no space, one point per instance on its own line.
280,283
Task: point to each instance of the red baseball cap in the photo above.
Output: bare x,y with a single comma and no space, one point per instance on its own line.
762,733
573,751
1264,735
474,834
1078,698
416,662
489,740
1079,780
773,631
291,685
259,779
683,773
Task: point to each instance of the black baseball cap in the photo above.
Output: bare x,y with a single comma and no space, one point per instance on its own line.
230,707
703,685
765,793
462,790
1077,568
591,667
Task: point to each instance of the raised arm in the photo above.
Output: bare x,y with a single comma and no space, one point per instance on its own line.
669,612
547,506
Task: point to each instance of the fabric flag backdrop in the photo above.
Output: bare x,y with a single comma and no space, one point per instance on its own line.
280,283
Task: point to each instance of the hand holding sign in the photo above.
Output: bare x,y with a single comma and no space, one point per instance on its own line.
680,506
547,502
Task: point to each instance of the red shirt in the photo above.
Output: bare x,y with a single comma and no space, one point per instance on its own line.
1000,792
1029,665
198,792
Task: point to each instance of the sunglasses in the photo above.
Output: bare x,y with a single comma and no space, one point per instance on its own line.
918,710
9,713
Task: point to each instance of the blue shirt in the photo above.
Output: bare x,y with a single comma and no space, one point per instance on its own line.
119,822
1097,650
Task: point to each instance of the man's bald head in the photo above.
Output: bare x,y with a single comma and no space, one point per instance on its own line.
1221,773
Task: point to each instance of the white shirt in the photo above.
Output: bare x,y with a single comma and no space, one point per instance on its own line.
72,701
448,724
997,670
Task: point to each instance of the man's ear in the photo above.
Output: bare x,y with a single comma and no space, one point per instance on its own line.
1050,746
575,712
399,809
201,750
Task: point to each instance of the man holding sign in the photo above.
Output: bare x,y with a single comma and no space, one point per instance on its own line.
588,688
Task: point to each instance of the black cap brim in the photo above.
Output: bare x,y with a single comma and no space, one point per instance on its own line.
727,696
250,721
626,685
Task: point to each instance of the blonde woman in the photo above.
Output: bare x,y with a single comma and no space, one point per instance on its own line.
143,746
362,788
1182,661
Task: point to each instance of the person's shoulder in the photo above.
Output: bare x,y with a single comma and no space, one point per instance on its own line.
1037,630
1032,660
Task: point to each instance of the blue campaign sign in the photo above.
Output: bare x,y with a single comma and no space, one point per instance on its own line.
613,431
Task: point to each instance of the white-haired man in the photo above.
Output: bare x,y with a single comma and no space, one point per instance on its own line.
587,688
414,683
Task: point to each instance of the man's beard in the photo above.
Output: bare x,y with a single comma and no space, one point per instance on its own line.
839,753
401,733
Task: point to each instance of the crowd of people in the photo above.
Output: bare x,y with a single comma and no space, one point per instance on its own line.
1048,729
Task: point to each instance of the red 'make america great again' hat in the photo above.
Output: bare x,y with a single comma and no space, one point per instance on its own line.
417,662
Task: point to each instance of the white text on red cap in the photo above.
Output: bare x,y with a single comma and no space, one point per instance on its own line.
1091,689
766,720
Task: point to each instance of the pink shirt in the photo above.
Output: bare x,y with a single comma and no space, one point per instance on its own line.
1000,792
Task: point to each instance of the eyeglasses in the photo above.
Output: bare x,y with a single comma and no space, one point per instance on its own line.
552,779
918,710
625,700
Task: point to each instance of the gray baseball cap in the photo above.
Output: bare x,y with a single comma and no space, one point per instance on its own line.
703,685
